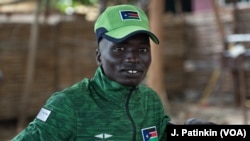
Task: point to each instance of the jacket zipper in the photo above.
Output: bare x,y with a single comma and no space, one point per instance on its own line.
129,114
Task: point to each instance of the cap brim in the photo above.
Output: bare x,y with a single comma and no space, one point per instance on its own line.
120,34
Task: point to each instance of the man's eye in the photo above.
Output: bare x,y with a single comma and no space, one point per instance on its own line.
119,49
144,49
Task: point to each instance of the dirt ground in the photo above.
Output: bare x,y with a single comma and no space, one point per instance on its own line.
225,114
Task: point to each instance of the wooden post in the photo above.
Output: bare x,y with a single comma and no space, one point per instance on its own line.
242,87
155,77
29,70
103,5
222,35
218,20
236,24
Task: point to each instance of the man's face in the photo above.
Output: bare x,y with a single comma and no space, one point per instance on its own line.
127,62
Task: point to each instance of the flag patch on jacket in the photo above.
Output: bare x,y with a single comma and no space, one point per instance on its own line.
128,15
149,134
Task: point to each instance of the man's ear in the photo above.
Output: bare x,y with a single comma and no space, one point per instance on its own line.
98,57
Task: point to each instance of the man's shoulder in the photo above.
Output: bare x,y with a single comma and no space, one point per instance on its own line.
147,91
73,92
144,88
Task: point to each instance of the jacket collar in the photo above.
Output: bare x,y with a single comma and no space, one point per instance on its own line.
109,89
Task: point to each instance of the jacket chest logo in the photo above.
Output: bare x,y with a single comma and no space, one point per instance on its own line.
103,136
149,134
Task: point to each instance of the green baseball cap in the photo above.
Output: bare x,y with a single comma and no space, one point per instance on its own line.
118,23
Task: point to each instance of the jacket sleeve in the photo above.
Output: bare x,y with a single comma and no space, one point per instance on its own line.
163,126
55,121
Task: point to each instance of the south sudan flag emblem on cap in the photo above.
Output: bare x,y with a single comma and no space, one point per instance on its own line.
149,134
128,15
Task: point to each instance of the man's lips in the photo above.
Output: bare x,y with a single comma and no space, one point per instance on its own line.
133,72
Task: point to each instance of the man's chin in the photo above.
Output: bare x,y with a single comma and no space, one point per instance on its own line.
130,83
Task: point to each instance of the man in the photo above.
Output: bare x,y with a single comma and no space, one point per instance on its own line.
113,105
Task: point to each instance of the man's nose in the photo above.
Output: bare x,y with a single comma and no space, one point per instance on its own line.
132,57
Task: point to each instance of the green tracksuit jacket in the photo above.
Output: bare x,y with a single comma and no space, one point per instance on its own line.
99,109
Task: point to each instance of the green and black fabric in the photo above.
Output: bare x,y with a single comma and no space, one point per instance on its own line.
95,110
